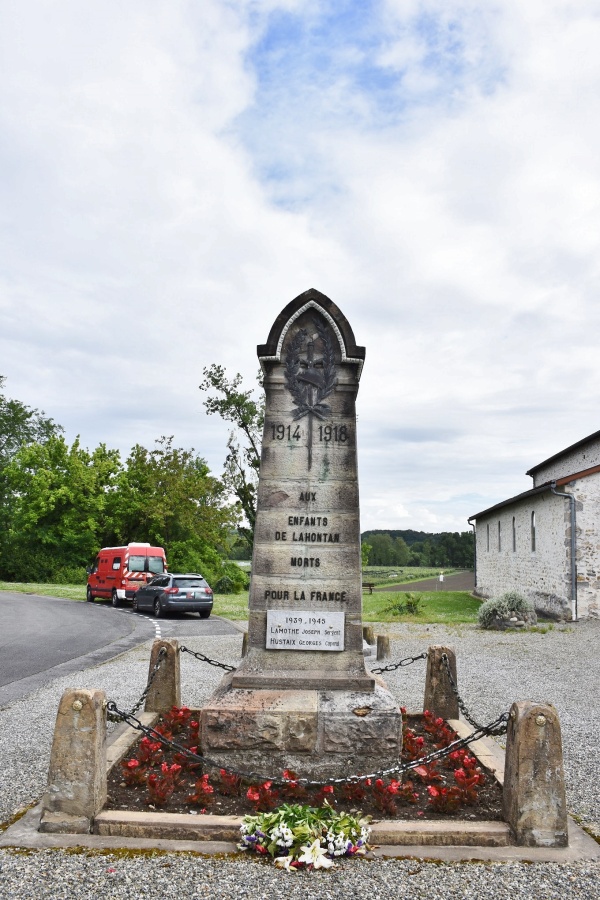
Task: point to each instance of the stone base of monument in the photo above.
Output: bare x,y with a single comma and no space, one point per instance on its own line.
316,733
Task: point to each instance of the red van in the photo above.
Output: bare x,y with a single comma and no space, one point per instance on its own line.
119,571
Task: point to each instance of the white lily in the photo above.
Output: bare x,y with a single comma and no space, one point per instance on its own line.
314,855
284,863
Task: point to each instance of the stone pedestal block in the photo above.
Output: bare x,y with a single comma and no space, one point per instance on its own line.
439,697
534,787
76,789
165,690
318,734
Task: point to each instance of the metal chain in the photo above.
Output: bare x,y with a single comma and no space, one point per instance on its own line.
207,659
497,727
159,661
399,665
461,703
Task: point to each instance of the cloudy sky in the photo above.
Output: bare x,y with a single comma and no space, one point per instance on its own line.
173,172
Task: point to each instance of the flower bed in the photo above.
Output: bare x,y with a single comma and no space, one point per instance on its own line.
153,777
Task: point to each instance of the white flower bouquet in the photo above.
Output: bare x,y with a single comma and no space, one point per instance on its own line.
296,836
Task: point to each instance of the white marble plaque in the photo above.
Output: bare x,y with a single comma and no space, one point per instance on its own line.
304,630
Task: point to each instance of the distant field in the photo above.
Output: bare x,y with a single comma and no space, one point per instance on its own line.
401,574
439,607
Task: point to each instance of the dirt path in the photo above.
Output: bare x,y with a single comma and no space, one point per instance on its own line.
462,581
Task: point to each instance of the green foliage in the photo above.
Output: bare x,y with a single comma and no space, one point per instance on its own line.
412,604
499,609
20,426
417,548
365,552
57,508
242,463
59,504
241,547
233,581
385,551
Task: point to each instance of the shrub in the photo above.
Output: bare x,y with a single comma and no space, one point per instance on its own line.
413,605
498,610
224,585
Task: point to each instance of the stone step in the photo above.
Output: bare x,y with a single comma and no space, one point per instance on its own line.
180,826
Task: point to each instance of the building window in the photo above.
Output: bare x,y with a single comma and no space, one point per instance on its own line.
488,535
533,532
499,538
514,534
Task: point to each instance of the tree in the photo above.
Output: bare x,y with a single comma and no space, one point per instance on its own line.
247,414
402,553
20,426
57,505
168,497
365,552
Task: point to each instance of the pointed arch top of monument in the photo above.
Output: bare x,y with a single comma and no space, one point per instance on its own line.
322,304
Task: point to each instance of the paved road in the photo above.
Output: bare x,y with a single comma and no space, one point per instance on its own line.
462,581
47,637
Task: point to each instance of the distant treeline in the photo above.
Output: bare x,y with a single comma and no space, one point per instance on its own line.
419,548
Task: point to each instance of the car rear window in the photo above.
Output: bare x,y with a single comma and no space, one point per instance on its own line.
189,582
156,564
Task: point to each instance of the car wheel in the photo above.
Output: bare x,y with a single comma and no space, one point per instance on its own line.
204,613
134,605
157,609
88,595
115,599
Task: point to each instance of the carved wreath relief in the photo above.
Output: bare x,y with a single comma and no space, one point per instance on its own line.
311,377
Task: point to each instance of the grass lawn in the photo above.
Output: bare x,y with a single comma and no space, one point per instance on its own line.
439,607
68,591
232,606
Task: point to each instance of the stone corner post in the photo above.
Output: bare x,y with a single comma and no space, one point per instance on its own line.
439,696
383,647
534,802
165,690
76,789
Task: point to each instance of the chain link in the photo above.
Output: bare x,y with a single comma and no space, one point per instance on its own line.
207,659
461,703
159,661
497,727
399,665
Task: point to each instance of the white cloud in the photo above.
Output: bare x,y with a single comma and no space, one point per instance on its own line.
171,175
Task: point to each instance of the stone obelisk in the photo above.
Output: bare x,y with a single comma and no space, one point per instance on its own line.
301,697
306,562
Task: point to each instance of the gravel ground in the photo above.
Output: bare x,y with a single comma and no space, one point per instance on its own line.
494,669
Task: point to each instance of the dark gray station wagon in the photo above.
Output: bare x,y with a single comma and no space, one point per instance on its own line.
174,593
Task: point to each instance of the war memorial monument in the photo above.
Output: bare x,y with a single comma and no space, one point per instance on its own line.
301,697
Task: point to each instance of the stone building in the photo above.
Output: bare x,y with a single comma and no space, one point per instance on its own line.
545,542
